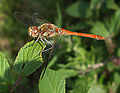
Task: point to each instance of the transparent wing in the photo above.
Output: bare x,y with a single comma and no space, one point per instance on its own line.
38,19
24,18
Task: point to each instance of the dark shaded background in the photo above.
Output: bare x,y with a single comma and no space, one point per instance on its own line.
79,59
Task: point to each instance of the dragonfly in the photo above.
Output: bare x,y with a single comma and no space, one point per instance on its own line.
46,30
43,30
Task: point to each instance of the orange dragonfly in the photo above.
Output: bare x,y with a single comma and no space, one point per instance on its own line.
43,30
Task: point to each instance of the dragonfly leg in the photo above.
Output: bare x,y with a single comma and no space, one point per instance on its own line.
47,49
49,43
48,58
43,42
34,42
37,40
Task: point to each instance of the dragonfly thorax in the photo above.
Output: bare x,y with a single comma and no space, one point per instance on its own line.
33,31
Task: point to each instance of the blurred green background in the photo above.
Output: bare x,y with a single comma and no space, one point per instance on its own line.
82,60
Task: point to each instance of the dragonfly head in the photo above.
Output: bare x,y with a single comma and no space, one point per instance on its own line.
33,31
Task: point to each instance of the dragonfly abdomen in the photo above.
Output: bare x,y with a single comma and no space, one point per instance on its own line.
66,32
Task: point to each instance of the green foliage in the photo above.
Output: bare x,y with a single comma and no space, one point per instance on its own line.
28,60
78,64
112,5
81,87
96,4
96,89
76,9
118,52
99,28
29,57
52,82
4,73
3,65
58,20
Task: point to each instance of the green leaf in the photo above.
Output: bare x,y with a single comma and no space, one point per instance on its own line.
5,70
96,4
52,82
99,29
112,5
81,86
68,72
118,52
4,73
4,66
79,9
58,20
116,78
29,58
111,26
110,66
114,25
97,89
81,89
